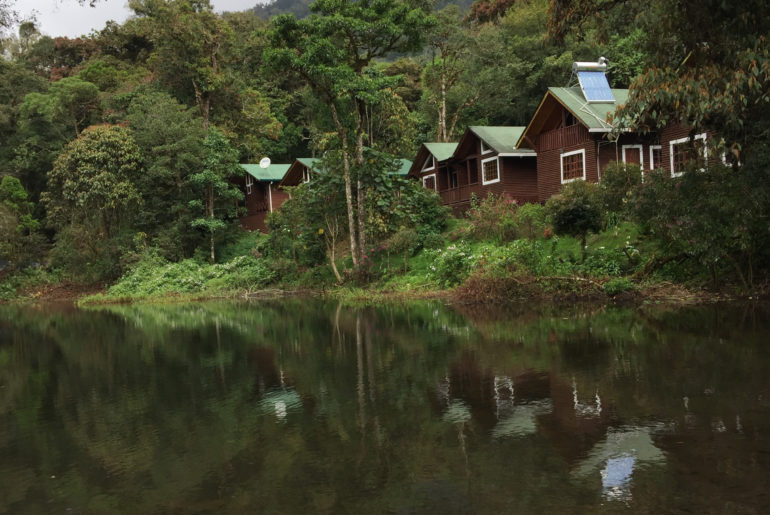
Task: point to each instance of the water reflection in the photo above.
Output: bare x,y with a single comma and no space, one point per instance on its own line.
308,406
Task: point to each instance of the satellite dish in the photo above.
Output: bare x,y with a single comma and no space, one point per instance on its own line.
264,162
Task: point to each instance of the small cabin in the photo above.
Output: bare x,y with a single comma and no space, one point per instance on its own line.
262,194
485,161
303,169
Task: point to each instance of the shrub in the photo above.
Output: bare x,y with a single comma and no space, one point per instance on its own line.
576,211
493,218
618,183
530,220
452,265
618,285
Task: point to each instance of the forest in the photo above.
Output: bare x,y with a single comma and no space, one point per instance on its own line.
118,150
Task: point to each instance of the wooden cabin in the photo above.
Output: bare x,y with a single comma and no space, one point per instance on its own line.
484,161
262,194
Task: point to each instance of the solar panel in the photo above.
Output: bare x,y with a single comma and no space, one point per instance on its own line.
595,86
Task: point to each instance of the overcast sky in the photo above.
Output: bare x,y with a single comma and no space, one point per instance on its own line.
68,18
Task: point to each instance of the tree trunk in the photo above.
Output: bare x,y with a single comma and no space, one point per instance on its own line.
342,134
442,113
210,209
360,111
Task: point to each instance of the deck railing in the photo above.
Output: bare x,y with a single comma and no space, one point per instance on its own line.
563,137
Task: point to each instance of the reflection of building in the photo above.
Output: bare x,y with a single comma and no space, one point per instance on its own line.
276,396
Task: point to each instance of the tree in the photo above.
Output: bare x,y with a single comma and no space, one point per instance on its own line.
576,211
17,223
449,46
212,184
70,101
171,139
92,198
709,64
332,50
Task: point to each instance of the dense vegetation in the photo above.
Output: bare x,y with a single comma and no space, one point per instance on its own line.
118,149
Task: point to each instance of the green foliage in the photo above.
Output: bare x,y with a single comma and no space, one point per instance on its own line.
215,205
530,220
154,276
618,285
576,211
493,218
617,184
718,216
452,265
19,238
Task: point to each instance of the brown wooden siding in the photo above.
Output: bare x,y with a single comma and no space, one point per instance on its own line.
562,137
257,204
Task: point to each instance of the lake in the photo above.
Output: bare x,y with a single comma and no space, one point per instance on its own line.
308,406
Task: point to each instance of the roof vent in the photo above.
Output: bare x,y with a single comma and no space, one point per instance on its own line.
593,81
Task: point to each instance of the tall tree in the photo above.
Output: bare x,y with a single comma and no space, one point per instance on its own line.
212,182
709,64
332,50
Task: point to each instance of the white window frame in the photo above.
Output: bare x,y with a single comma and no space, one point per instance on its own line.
485,182
641,154
484,148
653,148
582,152
435,181
425,167
249,184
679,141
305,174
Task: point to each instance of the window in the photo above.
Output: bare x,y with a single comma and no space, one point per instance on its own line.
429,181
429,165
655,156
484,148
490,172
632,154
684,150
305,174
249,184
573,165
452,177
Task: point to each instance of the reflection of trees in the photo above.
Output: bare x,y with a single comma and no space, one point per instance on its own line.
162,408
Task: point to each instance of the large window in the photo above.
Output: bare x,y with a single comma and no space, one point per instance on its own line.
249,184
429,181
684,150
573,165
490,171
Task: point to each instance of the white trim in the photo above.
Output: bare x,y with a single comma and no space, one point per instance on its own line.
305,174
483,146
582,152
499,172
679,141
425,167
270,194
652,155
517,154
435,181
249,184
641,153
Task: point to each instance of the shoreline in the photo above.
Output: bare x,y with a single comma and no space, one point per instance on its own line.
499,292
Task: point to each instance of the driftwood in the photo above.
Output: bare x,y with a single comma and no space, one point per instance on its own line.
655,263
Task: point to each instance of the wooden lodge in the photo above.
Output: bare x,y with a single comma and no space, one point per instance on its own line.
484,161
262,194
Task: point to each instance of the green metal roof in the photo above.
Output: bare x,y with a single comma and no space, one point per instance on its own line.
441,151
593,115
274,172
501,139
310,162
406,164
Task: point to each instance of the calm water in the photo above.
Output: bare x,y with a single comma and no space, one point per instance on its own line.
308,407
